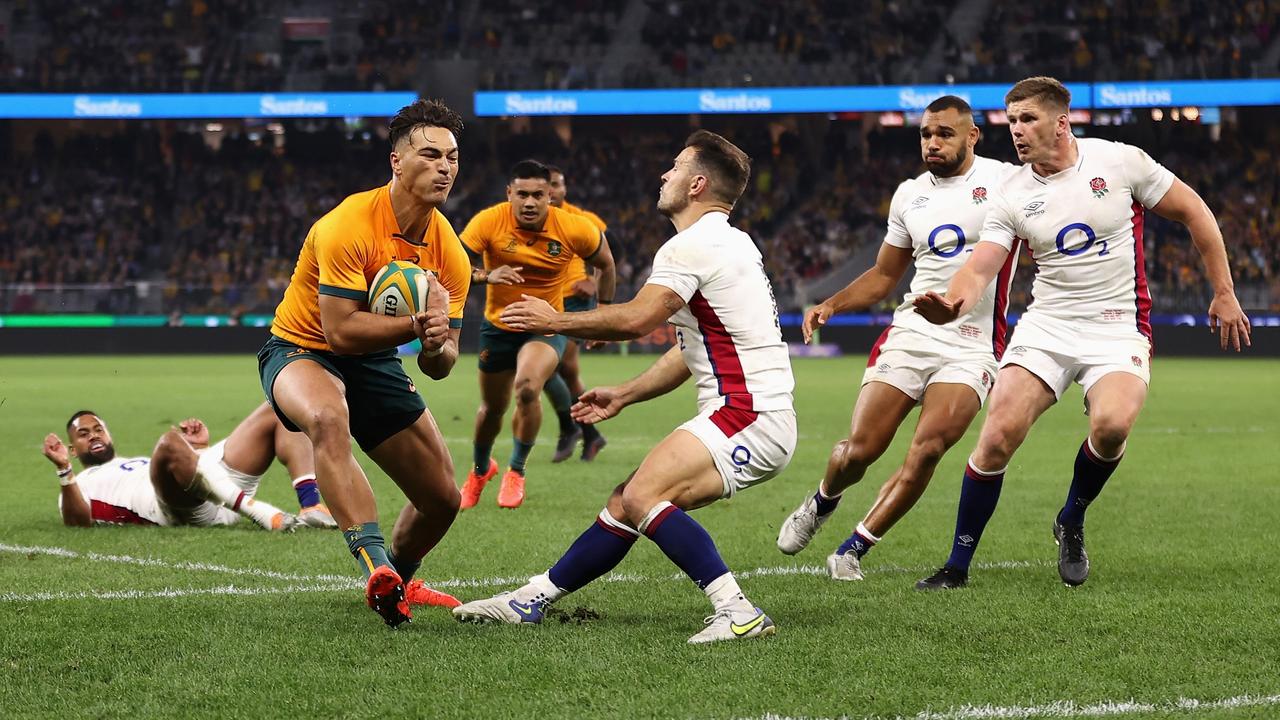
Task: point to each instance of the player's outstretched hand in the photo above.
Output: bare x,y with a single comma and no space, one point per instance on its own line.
56,451
506,275
529,315
195,432
936,308
1227,318
597,405
814,319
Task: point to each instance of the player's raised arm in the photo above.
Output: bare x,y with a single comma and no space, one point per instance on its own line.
1184,205
75,511
866,290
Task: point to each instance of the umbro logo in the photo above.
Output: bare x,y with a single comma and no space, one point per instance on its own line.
920,200
1035,208
966,540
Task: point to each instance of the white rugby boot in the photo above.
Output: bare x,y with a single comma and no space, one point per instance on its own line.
844,566
735,625
800,527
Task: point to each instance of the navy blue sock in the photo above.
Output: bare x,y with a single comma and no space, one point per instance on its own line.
858,543
978,497
594,553
1091,474
520,454
307,491
826,504
404,568
480,457
688,545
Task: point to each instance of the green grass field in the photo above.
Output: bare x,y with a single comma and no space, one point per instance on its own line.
1183,604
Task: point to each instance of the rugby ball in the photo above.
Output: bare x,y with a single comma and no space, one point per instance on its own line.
398,290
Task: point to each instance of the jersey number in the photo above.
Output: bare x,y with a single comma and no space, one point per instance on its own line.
1090,238
933,248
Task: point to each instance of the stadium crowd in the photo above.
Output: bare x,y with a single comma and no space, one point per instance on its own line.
218,230
247,45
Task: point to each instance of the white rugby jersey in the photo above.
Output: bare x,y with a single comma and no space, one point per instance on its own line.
940,220
120,491
1084,228
728,330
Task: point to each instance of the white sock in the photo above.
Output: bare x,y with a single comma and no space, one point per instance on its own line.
542,585
221,490
724,594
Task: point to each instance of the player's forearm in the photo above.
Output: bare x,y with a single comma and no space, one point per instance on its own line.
361,333
866,290
1207,238
607,322
665,375
606,283
75,511
438,367
965,289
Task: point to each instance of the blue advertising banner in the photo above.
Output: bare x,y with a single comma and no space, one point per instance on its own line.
908,98
198,105
903,98
1183,93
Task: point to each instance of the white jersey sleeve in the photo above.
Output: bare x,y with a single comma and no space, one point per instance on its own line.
728,331
1148,179
896,233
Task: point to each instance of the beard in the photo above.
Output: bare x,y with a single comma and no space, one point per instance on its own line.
949,169
671,206
105,455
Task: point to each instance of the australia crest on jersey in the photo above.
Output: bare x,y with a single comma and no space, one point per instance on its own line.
554,248
979,195
1099,187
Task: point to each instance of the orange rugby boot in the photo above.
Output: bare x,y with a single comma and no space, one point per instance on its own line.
474,485
417,593
385,594
511,494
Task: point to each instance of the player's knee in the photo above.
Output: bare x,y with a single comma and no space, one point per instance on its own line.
1109,434
855,453
168,447
328,428
927,451
527,391
636,504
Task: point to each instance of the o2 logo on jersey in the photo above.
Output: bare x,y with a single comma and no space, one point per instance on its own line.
1090,238
740,456
933,240
132,465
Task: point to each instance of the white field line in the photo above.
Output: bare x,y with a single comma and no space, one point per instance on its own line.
333,583
168,593
193,566
1067,709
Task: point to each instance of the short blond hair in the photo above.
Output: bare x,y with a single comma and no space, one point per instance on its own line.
1044,90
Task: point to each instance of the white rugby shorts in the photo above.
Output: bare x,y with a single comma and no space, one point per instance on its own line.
747,447
911,362
1061,352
